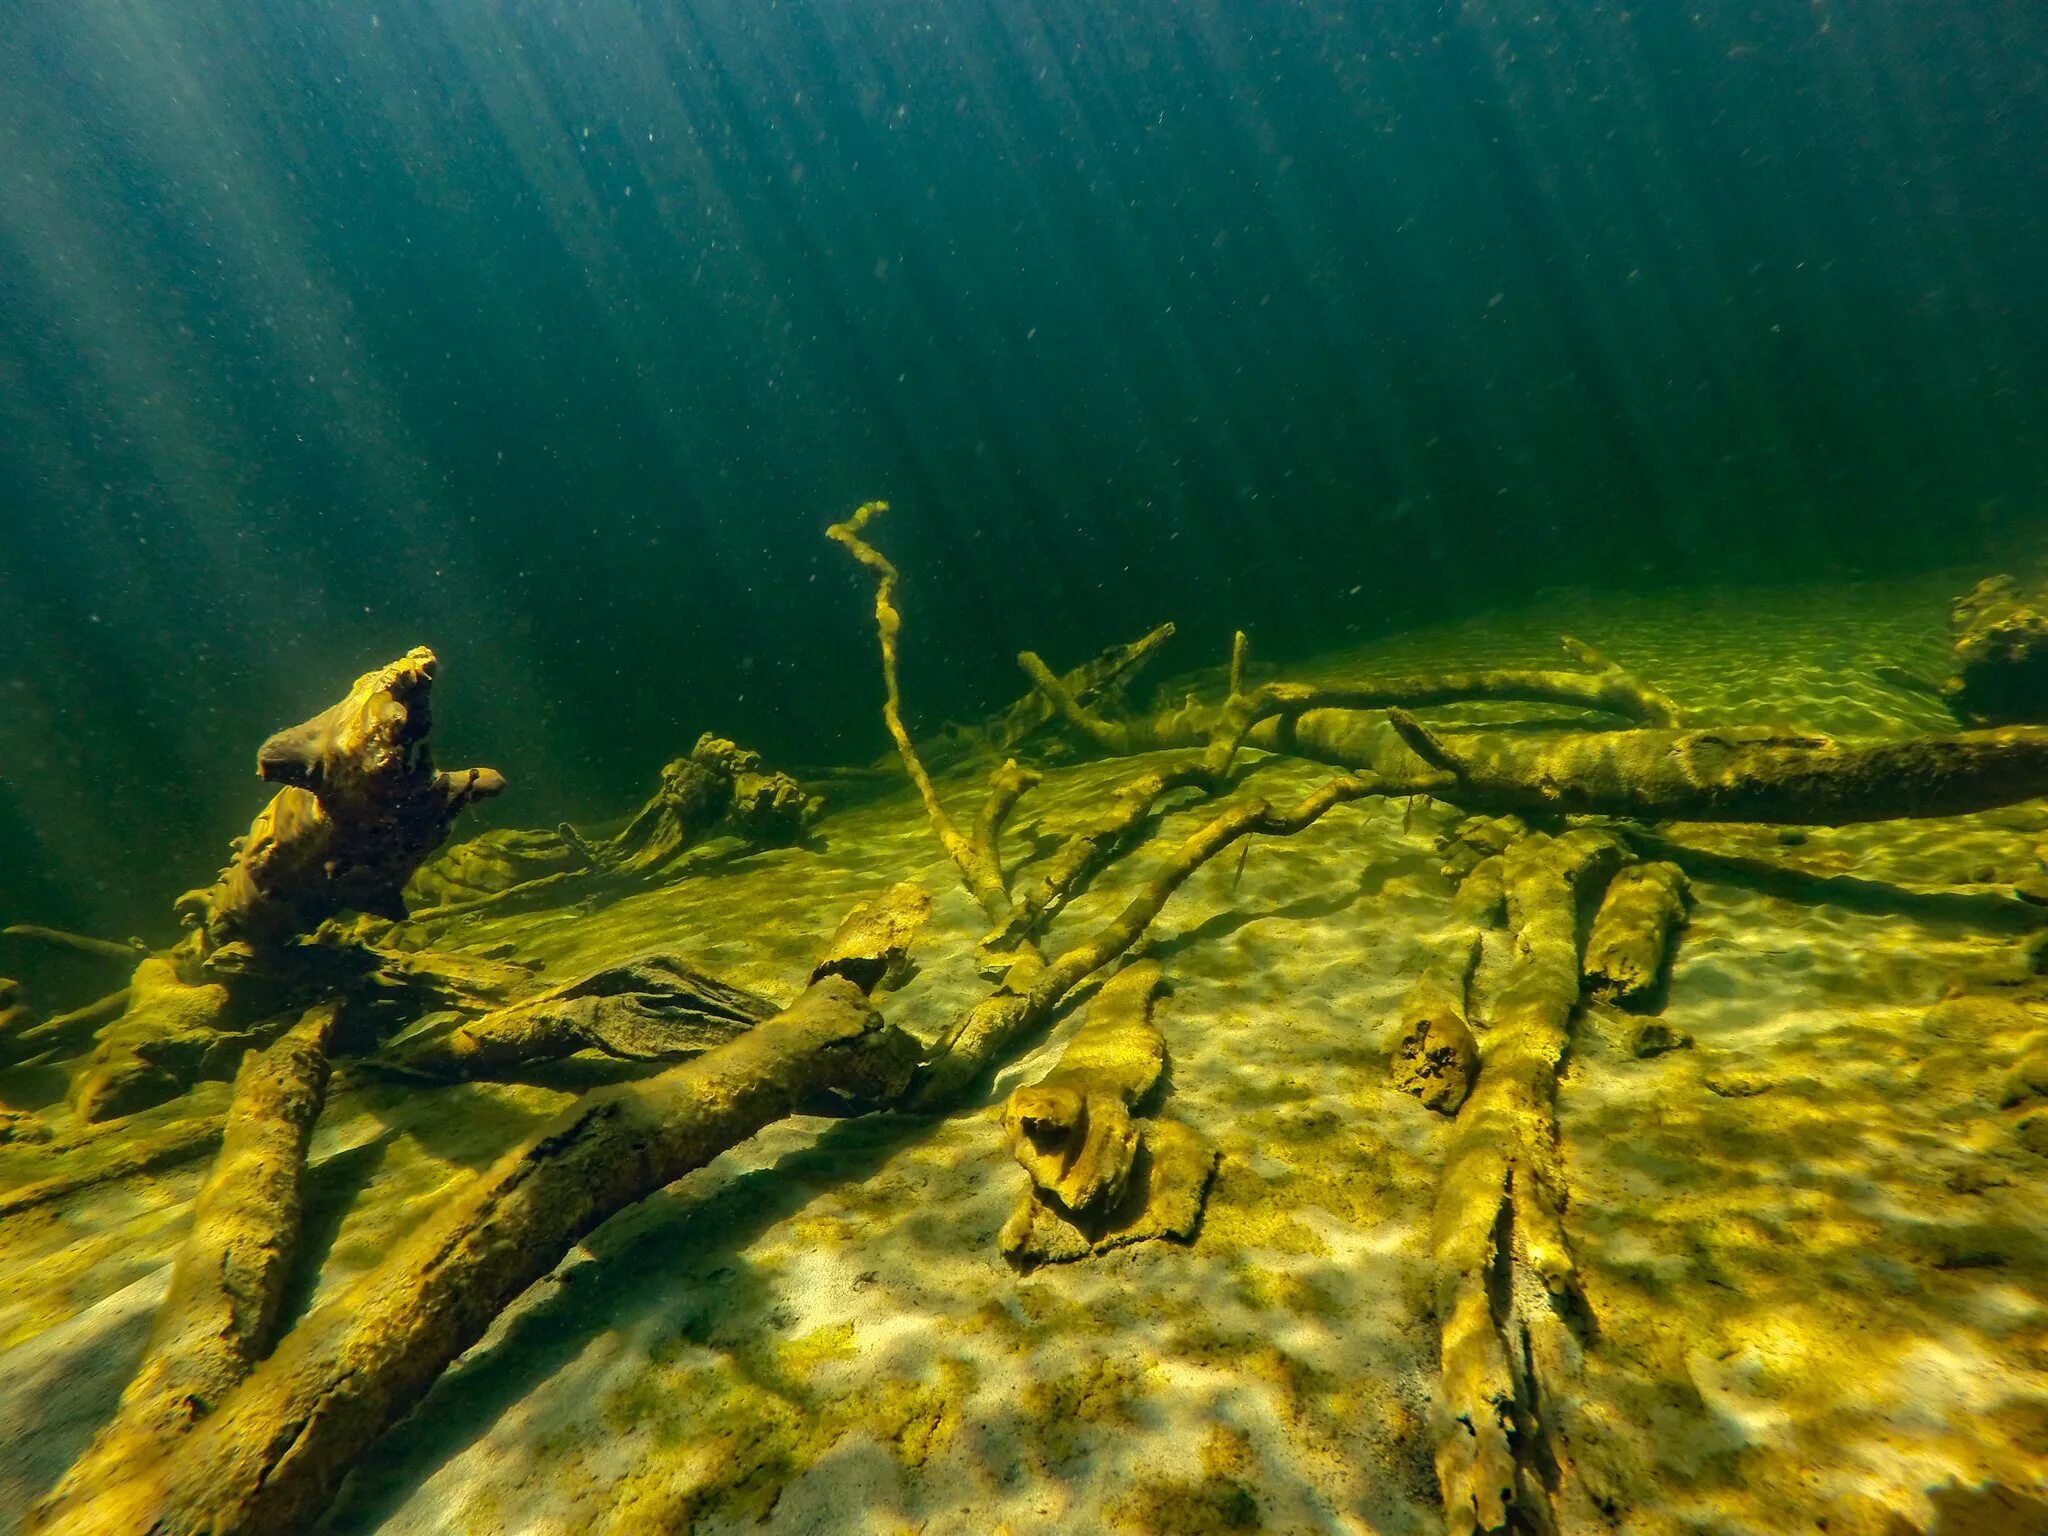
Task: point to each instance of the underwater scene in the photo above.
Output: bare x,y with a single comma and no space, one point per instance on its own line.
1023,766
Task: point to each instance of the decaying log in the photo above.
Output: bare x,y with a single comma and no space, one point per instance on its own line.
720,786
1631,939
1072,1130
1100,1178
116,1153
1759,773
268,1459
362,807
1998,660
1784,873
172,1034
653,1007
176,1032
1505,1275
227,1284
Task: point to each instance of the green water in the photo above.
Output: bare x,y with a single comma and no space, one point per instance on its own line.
552,335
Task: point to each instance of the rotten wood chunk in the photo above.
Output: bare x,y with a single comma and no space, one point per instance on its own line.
653,1007
871,946
1435,1056
1998,660
1631,939
1099,1177
1760,773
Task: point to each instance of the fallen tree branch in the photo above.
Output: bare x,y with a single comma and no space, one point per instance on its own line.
1603,686
227,1282
1759,773
270,1457
1505,1275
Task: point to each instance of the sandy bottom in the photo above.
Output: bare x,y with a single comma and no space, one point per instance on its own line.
1813,1242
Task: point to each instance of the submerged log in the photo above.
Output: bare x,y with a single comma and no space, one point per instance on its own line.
1099,682
270,1457
1435,1056
227,1284
1272,716
1071,1130
1630,944
1759,773
1505,1275
871,945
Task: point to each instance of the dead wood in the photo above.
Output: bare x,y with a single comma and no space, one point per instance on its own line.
1099,1177
1998,660
1759,773
227,1284
653,1007
362,807
1506,1280
1631,939
1269,715
871,945
269,1458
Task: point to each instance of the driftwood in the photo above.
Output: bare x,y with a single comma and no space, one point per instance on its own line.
149,1142
1270,716
871,945
1033,985
362,807
1759,773
1506,1282
78,943
1435,1056
1072,1129
1099,683
1630,943
269,1457
227,1285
